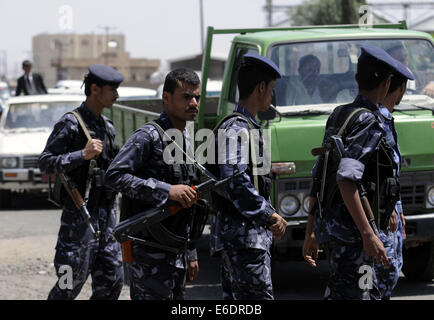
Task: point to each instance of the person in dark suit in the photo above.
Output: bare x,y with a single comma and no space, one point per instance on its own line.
30,82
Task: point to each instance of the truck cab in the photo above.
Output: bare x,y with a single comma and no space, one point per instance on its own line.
319,66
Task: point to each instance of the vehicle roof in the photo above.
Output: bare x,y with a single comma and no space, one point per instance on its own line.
3,84
46,98
266,38
69,83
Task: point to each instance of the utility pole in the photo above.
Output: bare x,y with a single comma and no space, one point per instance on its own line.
201,25
4,62
269,9
107,33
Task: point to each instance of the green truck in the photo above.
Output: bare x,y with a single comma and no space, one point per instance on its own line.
298,123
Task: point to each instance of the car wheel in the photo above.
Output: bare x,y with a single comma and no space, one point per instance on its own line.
5,199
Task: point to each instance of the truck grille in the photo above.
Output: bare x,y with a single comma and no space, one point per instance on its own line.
413,189
30,162
413,195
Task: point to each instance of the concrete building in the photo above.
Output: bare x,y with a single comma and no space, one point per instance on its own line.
217,64
67,57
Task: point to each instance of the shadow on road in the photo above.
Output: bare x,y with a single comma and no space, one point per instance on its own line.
415,289
29,201
294,280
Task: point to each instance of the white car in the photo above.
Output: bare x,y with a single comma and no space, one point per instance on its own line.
5,92
125,93
25,125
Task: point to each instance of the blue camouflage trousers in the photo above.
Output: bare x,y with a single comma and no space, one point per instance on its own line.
79,252
246,275
387,278
156,275
352,274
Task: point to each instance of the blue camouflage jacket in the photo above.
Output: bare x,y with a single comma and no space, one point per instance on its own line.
361,141
245,227
63,151
139,171
392,140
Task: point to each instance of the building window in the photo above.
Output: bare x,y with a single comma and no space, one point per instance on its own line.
112,44
55,44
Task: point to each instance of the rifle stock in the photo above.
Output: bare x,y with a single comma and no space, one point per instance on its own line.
368,210
76,197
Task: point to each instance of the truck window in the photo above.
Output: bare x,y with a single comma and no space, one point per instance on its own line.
323,72
233,89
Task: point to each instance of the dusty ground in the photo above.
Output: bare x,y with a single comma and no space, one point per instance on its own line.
27,271
28,235
27,241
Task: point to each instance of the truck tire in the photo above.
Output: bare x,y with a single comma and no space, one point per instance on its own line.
5,199
419,262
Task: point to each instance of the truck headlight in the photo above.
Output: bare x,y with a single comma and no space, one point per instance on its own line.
306,204
289,205
9,162
430,196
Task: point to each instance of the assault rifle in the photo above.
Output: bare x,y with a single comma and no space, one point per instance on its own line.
125,230
75,195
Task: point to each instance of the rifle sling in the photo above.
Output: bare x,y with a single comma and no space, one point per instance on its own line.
162,133
82,124
251,144
91,164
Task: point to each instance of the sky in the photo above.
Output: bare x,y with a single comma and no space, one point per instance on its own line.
162,29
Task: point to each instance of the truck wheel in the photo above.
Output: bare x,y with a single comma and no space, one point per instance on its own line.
419,262
5,199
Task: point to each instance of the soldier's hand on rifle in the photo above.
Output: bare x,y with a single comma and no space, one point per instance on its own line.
375,248
403,225
192,270
185,195
310,249
310,245
393,222
278,226
92,149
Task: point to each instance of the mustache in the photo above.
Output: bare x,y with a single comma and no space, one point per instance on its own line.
188,109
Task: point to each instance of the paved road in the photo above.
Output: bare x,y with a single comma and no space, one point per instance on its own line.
36,230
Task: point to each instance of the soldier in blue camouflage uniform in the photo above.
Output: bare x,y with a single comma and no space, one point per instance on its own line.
340,225
69,151
241,230
145,180
392,238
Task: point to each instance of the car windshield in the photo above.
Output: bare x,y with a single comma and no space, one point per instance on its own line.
323,72
37,115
